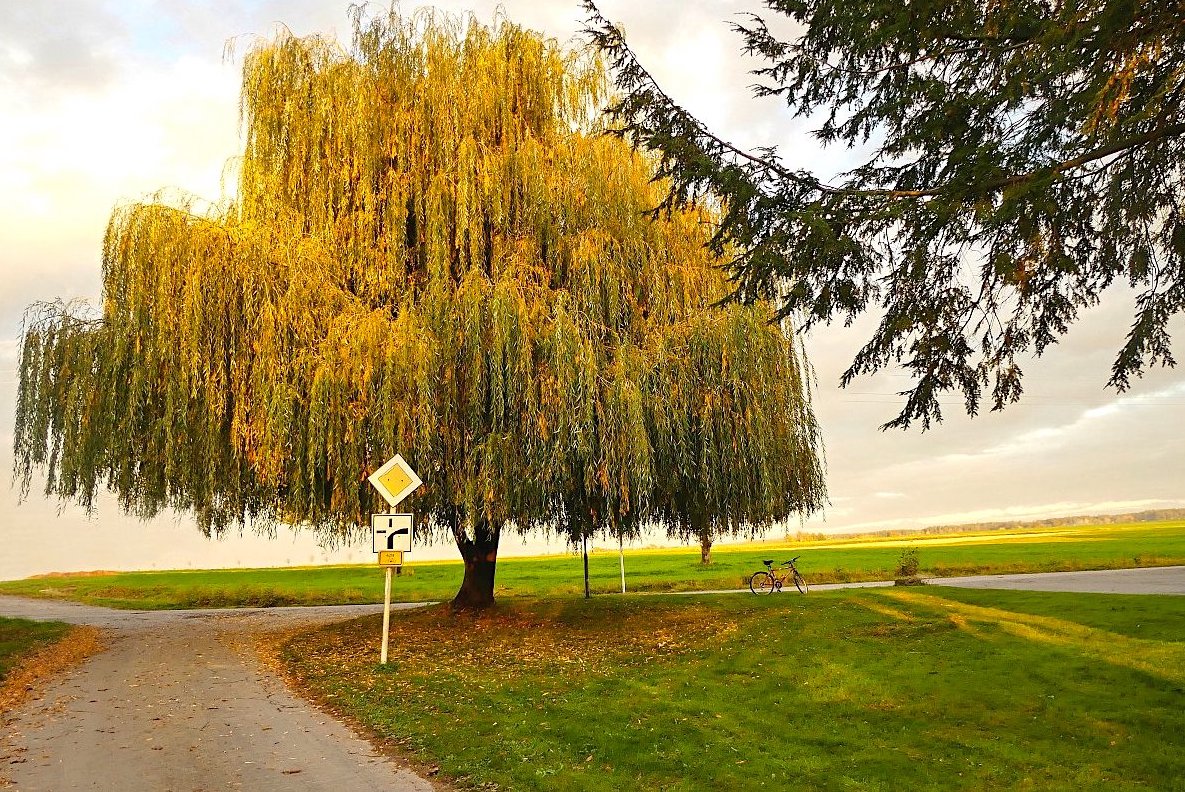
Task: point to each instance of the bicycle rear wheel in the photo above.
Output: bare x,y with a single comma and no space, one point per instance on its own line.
800,583
762,583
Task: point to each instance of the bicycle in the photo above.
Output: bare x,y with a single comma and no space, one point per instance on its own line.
768,580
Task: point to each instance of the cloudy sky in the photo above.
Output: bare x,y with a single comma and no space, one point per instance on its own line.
105,102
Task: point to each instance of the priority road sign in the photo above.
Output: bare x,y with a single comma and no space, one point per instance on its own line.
391,532
395,480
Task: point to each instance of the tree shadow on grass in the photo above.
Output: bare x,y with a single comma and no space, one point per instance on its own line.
1162,660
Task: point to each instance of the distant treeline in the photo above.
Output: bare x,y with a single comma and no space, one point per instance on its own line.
1152,515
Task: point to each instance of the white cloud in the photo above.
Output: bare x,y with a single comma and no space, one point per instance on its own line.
39,49
66,165
1089,423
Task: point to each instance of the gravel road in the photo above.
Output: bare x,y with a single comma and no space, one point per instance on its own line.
180,703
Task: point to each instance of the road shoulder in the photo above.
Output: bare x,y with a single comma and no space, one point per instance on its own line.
268,648
33,673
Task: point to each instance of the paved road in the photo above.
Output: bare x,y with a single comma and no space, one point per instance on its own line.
1148,580
1152,580
180,703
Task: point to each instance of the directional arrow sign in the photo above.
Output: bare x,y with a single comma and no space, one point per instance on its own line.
390,532
395,480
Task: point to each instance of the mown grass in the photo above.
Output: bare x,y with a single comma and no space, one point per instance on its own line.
1060,549
19,638
888,689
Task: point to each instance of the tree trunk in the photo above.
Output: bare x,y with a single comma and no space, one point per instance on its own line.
480,555
705,541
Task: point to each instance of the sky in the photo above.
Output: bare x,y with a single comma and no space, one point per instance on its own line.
103,103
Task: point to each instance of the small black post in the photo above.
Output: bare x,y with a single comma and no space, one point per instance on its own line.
584,541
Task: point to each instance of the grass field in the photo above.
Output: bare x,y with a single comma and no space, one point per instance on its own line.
861,689
1080,547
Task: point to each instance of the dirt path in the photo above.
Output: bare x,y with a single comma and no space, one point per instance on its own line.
180,703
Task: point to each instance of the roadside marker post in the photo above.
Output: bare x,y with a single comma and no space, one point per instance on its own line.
391,534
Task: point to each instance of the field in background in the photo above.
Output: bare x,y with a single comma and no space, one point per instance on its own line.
860,689
843,560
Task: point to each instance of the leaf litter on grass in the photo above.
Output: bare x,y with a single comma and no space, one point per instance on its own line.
524,639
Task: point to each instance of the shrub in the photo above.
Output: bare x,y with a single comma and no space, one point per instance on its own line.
907,563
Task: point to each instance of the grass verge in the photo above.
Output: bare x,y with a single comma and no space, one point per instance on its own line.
1039,550
872,689
32,652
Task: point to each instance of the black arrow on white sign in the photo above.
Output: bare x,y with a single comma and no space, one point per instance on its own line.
391,537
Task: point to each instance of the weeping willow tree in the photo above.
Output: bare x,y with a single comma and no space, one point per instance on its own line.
432,250
739,447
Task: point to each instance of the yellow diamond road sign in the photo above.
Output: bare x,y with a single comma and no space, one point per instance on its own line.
395,480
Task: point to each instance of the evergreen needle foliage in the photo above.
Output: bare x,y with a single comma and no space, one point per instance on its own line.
433,250
1027,155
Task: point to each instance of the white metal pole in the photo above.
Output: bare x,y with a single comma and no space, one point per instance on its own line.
621,556
386,615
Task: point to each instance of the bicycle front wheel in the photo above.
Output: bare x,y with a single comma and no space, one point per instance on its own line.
762,583
800,583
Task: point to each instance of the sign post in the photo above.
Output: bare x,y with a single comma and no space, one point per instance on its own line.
386,616
391,534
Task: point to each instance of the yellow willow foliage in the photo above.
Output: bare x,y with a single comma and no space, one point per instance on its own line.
432,251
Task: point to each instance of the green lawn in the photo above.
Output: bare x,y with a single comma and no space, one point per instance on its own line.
20,637
871,689
1089,547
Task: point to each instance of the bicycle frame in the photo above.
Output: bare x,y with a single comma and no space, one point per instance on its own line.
778,575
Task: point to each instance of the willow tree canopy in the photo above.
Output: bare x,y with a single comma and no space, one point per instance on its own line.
431,251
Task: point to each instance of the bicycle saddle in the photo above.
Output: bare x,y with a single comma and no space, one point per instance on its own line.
769,562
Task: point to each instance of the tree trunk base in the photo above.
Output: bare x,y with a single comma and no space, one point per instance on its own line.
481,561
477,587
